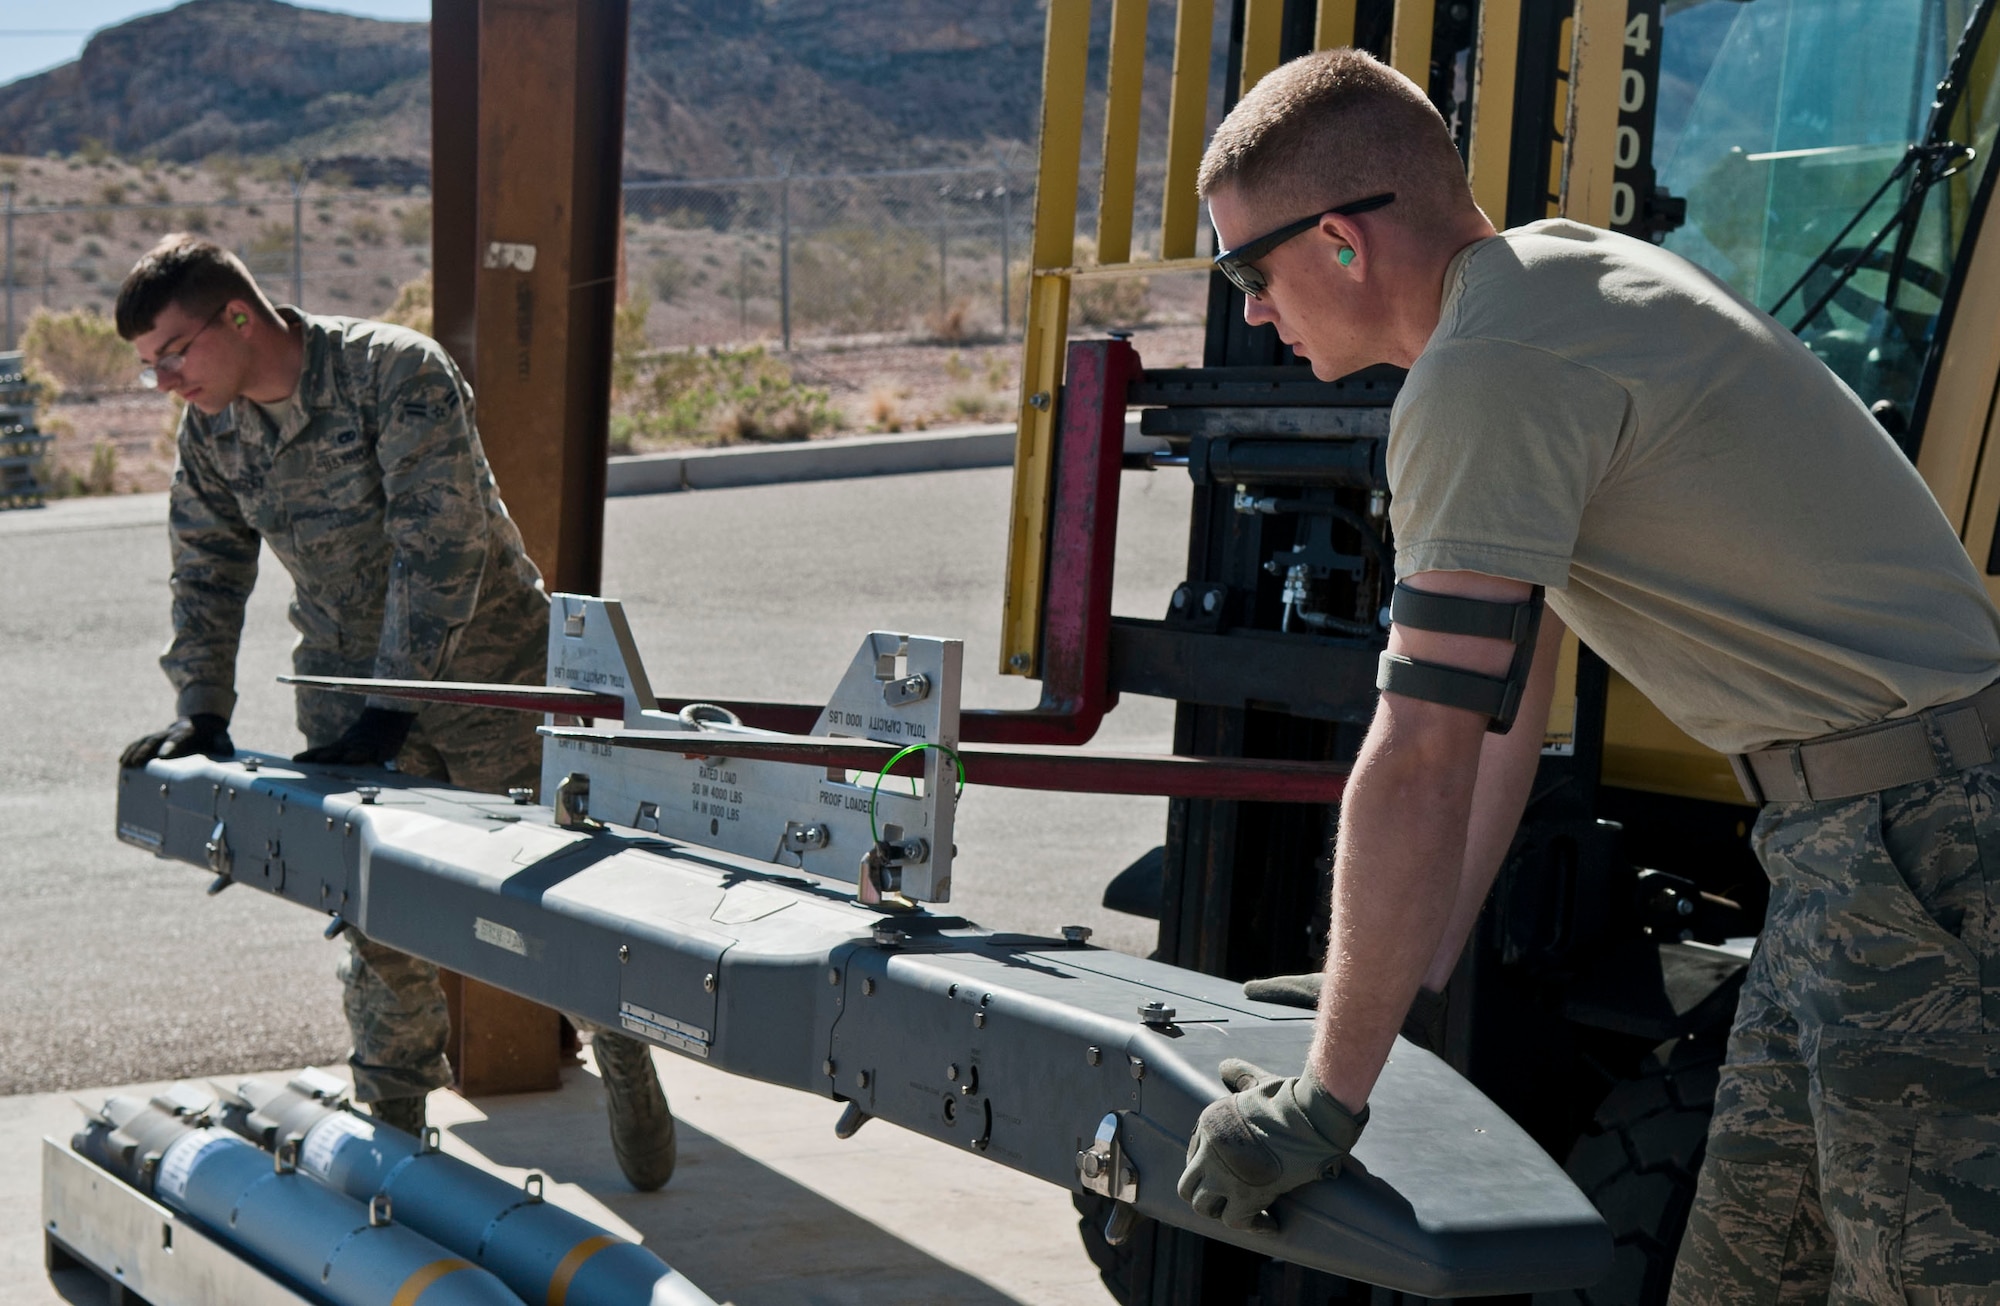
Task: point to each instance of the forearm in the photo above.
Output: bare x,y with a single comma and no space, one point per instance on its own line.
1397,867
214,569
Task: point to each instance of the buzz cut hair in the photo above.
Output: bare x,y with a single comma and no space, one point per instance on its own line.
183,269
1334,127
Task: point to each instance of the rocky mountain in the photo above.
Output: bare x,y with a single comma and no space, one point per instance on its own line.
715,87
243,77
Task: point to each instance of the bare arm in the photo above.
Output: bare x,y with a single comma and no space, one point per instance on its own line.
1428,815
1507,765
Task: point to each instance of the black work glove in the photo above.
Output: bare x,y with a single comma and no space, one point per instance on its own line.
1274,1135
1424,1026
374,738
203,733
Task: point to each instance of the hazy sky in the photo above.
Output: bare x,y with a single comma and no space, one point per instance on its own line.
35,34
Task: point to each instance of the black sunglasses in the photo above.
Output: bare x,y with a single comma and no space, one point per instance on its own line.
1240,264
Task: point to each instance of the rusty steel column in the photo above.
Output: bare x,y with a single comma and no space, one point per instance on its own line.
551,141
454,176
528,134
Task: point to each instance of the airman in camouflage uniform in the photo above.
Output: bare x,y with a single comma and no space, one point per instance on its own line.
370,486
1852,1158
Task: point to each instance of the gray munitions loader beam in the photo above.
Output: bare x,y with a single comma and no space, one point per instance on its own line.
1081,1066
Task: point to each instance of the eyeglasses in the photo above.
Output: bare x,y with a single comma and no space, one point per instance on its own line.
165,364
1240,264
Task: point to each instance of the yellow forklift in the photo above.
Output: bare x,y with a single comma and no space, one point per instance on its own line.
1829,159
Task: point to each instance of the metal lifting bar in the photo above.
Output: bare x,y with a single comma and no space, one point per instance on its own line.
1018,1049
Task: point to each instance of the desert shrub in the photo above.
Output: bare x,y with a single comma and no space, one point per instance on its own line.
861,279
1123,301
973,403
26,255
79,349
413,225
101,221
111,192
102,477
669,278
723,396
93,151
951,325
272,238
628,347
885,408
367,229
413,305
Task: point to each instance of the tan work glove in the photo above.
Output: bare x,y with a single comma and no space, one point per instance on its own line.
1274,1135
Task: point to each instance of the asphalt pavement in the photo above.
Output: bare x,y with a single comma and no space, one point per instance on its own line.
119,969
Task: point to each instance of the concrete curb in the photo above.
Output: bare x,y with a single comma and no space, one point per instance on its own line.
658,473
826,460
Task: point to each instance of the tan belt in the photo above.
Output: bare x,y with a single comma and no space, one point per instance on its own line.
1873,758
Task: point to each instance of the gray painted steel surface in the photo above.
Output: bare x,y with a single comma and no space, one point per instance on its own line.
1014,1047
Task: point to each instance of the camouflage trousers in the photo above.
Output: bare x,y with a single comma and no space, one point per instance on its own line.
1855,1151
394,1004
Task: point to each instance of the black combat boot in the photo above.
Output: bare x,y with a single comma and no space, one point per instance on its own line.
642,1126
404,1113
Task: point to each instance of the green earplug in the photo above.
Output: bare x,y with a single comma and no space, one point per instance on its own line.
1347,256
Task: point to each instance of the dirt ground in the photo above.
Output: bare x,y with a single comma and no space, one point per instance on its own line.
910,387
905,387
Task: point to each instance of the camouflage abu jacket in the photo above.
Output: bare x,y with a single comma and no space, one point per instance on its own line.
376,497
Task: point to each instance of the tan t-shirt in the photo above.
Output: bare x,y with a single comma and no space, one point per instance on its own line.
1709,507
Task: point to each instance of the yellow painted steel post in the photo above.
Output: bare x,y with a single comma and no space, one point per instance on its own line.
1335,26
1410,40
1494,71
1960,423
1187,127
1263,37
1590,154
1122,81
1047,329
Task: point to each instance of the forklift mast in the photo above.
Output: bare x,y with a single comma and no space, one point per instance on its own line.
1611,950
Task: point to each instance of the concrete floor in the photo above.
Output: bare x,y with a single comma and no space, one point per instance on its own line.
120,970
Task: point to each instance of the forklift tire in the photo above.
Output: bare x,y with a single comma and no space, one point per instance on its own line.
1637,1161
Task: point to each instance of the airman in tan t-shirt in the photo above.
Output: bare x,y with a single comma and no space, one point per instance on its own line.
1713,513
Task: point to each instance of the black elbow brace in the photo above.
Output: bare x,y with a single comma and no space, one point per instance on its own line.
1497,698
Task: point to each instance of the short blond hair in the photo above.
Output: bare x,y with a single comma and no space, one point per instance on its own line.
1334,127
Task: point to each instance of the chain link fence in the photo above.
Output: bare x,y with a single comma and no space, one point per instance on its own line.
785,260
331,251
926,253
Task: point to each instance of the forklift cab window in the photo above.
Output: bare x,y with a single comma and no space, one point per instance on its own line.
1779,120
